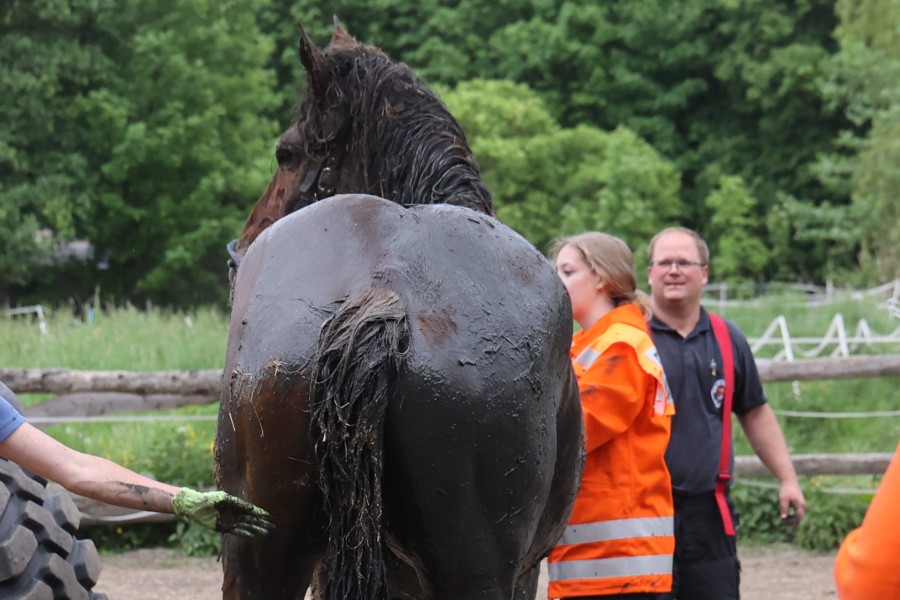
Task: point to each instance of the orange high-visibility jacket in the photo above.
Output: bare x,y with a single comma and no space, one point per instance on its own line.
868,564
620,536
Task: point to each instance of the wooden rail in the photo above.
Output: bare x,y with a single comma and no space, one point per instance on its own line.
96,393
811,369
820,464
208,382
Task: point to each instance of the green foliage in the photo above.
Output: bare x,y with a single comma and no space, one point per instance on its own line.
43,67
757,510
625,188
129,537
136,125
738,252
829,518
183,458
722,89
186,460
94,338
147,127
194,540
866,77
549,181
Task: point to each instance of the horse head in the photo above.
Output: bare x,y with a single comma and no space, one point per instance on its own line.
365,125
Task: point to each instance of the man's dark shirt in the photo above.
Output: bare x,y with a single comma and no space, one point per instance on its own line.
693,367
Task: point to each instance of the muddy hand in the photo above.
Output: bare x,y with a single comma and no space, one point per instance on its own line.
207,508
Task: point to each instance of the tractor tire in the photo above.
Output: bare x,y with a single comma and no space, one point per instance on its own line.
40,558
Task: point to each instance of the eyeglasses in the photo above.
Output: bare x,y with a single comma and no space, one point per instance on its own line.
680,265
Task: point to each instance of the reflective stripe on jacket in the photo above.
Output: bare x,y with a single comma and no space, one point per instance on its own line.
620,536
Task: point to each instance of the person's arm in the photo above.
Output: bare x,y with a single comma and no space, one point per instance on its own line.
85,474
868,562
613,393
765,437
104,480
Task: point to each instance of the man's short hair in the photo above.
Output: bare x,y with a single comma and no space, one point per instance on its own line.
702,247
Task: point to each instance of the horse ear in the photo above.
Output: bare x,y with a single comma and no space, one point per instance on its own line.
317,71
340,37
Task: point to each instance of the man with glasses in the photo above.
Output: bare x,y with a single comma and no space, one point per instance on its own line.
699,458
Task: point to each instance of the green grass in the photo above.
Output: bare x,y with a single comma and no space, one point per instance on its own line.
809,435
118,339
123,339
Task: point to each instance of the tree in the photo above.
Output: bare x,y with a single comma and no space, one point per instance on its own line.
548,180
141,132
867,79
43,67
738,251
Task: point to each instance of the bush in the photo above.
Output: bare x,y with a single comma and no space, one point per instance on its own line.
758,518
183,457
829,517
123,538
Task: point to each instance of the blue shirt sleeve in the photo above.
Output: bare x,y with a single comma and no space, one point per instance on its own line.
10,419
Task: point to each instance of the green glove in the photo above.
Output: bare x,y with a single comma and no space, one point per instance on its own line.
221,512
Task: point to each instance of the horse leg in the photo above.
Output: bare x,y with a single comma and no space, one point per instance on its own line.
263,456
478,497
265,570
444,508
458,556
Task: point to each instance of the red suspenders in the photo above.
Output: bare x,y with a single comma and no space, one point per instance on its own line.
723,338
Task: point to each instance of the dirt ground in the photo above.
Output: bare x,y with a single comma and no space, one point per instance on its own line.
775,573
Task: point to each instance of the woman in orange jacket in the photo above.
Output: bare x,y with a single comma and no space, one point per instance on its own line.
620,538
868,563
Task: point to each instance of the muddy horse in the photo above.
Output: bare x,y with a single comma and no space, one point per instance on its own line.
398,387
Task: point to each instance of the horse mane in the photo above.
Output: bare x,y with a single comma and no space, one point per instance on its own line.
378,114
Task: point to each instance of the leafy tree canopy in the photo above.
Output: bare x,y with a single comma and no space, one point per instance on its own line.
549,180
136,125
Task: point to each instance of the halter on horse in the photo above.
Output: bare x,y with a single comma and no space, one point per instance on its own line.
399,393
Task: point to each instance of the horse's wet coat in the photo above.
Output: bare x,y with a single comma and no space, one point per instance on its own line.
432,341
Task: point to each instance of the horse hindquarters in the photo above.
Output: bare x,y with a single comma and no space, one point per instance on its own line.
480,473
357,359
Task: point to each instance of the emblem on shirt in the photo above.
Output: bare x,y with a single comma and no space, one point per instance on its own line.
717,393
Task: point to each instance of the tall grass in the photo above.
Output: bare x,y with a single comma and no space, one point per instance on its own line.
112,339
126,338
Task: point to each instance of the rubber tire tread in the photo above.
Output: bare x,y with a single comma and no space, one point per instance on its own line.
40,559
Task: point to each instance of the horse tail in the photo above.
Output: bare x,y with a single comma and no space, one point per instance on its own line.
361,347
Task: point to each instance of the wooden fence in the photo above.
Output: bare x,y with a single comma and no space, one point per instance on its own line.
91,395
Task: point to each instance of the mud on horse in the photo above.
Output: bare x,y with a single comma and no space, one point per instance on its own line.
398,388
